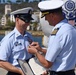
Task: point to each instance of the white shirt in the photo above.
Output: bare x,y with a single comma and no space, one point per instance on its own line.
62,47
14,46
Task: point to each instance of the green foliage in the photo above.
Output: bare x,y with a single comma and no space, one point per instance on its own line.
35,24
7,16
18,1
9,1
10,24
15,6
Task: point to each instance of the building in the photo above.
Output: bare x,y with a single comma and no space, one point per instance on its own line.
3,20
7,13
7,9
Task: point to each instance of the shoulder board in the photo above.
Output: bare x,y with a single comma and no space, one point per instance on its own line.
54,31
11,34
6,37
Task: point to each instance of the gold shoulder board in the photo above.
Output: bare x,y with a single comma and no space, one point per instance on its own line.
54,31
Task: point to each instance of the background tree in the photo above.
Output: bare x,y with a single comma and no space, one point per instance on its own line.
35,24
26,0
9,1
10,25
18,1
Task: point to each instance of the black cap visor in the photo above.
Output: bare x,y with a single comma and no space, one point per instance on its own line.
25,17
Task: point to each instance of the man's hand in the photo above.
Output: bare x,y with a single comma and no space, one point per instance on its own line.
36,45
45,73
32,49
21,72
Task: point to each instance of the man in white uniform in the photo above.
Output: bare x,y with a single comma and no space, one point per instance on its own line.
60,54
14,45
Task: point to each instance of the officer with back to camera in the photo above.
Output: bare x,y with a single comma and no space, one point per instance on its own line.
60,54
14,45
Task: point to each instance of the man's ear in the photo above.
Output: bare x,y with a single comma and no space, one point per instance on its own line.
17,19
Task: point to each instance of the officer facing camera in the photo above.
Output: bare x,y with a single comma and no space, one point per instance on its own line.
60,55
14,45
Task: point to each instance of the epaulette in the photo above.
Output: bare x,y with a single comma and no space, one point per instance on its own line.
11,34
55,31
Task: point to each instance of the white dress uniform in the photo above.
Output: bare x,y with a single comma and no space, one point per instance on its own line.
14,46
62,47
62,41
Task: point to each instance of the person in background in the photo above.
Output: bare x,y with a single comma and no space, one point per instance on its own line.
14,45
60,55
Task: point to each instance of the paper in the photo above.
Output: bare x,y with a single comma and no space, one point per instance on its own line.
25,67
33,67
37,68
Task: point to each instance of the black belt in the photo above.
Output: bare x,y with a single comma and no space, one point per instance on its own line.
69,72
12,73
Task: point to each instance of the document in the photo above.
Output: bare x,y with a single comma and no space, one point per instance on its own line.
33,67
25,67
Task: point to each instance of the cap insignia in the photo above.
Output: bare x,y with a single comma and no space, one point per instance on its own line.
44,13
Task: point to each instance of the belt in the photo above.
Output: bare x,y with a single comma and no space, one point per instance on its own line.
69,72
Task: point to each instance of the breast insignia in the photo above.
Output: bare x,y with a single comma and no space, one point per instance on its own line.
54,31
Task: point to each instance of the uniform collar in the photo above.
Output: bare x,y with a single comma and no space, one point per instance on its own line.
17,33
60,23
